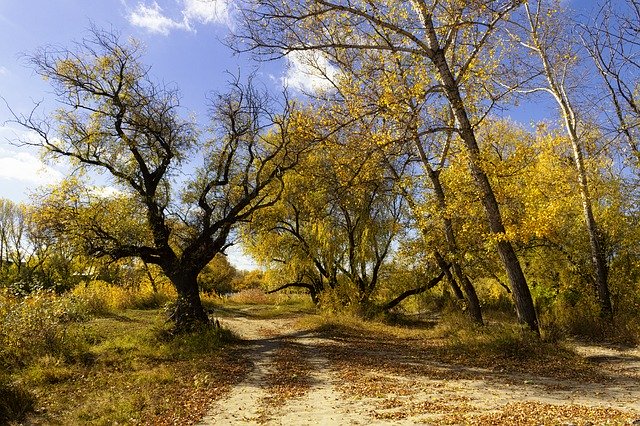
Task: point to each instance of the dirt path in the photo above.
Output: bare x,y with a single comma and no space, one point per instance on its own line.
304,378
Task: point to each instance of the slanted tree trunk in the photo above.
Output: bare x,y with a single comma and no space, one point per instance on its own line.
444,266
313,293
430,284
470,294
521,293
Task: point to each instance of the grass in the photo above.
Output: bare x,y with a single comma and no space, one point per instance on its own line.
452,338
126,367
133,371
256,303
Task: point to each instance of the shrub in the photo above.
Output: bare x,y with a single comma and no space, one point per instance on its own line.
102,298
39,324
252,296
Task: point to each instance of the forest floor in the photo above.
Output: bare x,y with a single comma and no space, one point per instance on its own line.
302,374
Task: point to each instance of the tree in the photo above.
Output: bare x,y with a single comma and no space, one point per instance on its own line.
612,41
333,228
13,243
218,276
115,119
452,41
558,61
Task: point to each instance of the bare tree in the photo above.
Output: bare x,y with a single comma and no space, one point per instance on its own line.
114,119
613,41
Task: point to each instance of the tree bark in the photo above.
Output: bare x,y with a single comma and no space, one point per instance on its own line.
521,293
188,313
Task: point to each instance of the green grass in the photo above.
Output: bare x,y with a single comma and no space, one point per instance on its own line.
132,371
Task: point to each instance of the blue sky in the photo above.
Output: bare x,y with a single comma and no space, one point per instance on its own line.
182,40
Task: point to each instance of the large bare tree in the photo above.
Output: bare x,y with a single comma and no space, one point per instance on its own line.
114,119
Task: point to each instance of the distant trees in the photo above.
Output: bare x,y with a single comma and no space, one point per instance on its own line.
115,119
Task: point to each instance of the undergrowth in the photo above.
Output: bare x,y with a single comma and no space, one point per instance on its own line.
93,356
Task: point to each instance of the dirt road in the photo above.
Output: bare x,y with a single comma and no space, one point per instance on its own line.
305,378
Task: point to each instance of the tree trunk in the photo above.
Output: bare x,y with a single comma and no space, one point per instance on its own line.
188,313
521,293
442,264
558,90
597,253
471,296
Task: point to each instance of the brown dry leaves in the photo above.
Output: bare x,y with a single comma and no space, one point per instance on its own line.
534,413
420,380
290,376
196,385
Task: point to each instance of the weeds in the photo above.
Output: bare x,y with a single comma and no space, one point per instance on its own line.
37,325
15,401
101,298
87,359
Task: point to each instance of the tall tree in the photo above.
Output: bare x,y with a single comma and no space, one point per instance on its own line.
613,43
452,38
116,120
552,45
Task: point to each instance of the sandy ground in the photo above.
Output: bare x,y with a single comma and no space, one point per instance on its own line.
317,384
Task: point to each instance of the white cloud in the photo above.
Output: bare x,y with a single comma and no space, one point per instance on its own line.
105,191
27,168
21,164
239,259
207,11
3,71
308,71
153,18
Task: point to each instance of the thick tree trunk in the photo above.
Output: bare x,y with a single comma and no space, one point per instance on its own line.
188,313
521,293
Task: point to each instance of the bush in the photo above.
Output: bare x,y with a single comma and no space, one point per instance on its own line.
252,296
37,325
101,298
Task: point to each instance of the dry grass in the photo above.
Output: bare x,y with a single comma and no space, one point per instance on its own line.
133,372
